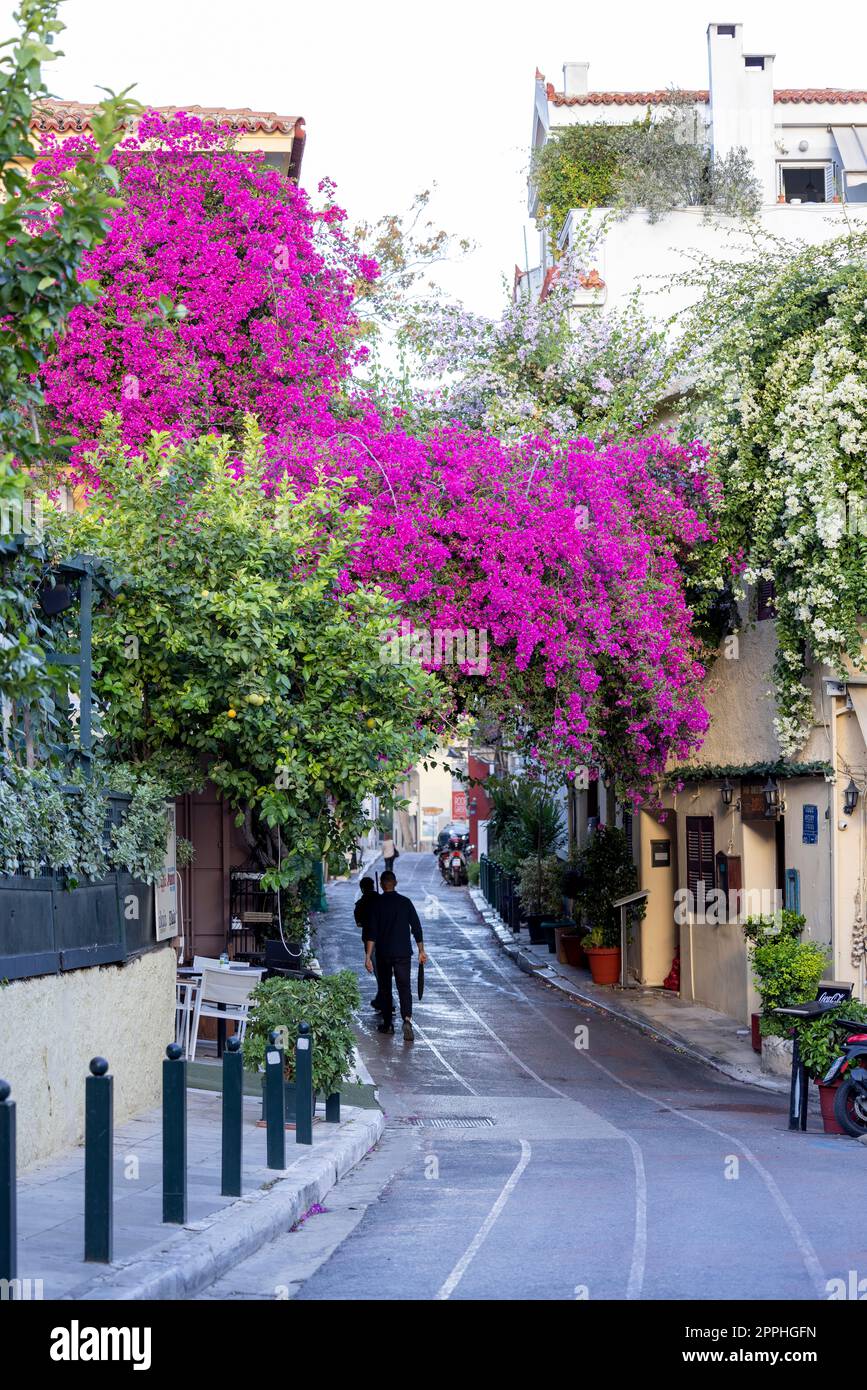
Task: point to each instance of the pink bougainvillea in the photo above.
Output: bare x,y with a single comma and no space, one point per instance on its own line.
223,291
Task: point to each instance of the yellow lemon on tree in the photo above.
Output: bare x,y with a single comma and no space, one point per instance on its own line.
232,713
371,723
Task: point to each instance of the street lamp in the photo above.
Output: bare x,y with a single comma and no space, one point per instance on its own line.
772,797
850,798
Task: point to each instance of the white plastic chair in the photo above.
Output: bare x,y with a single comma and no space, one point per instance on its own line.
185,993
224,995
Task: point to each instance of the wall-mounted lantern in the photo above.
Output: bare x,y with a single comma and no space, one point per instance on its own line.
727,792
850,798
772,797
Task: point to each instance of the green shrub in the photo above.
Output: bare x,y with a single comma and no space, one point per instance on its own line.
786,971
775,927
819,1041
474,870
328,1005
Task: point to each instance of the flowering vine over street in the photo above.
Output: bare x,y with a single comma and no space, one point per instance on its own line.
224,292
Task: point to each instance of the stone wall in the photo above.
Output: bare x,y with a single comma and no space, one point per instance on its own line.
50,1028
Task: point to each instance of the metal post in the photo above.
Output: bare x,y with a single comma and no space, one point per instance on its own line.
233,1118
8,1203
175,1136
275,1122
799,1089
98,1196
332,1108
304,1085
85,718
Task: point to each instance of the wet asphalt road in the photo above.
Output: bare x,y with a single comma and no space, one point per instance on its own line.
619,1169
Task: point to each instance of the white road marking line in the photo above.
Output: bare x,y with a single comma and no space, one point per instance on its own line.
801,1240
435,1050
639,1246
483,1232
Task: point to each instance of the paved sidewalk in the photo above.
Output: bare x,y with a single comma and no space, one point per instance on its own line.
156,1261
711,1037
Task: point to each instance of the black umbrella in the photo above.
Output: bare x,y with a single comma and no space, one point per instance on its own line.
420,979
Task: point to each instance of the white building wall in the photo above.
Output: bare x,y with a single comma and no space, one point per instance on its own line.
636,254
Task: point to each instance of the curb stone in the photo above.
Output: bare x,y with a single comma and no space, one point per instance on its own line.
199,1254
672,1039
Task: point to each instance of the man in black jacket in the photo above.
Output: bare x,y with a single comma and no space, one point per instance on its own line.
393,921
362,912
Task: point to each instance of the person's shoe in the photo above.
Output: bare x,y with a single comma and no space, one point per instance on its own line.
408,1034
386,1026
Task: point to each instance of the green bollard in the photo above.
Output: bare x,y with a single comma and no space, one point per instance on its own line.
8,1200
175,1136
274,1117
332,1108
304,1085
233,1118
98,1194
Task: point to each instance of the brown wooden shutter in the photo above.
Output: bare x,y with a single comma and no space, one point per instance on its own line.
699,853
765,603
735,885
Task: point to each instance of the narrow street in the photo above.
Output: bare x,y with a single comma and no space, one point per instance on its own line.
518,1165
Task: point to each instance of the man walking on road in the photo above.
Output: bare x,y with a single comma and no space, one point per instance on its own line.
389,853
393,920
362,912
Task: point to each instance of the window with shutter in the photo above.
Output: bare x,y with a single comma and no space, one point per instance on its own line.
765,605
700,865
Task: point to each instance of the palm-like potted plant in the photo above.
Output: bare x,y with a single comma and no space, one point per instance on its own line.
540,890
607,873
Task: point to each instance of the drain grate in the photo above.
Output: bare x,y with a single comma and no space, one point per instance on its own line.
448,1121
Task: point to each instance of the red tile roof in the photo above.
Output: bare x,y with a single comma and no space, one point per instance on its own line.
71,116
834,96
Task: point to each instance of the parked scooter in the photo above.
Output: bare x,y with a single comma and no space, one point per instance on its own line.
850,1101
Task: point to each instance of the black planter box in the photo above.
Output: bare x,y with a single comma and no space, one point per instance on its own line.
47,927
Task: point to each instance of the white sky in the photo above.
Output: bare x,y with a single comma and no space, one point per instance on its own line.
399,96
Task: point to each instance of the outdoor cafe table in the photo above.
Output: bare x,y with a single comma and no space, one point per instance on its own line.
188,972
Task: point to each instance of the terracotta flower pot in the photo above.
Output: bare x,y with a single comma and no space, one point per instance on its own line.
573,950
826,1105
604,964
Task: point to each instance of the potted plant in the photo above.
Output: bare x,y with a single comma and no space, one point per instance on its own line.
786,971
819,1043
540,892
608,873
785,923
328,1005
